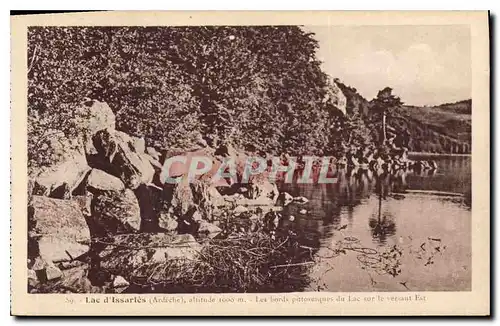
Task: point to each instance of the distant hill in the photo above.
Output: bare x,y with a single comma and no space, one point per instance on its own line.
444,128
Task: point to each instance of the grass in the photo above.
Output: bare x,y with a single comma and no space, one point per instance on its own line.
246,263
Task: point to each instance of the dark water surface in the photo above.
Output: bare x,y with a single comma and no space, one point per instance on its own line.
361,241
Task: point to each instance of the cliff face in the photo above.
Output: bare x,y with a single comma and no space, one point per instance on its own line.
444,128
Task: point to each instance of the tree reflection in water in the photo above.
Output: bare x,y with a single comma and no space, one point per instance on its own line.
383,224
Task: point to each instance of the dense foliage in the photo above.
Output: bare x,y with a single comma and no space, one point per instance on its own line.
178,86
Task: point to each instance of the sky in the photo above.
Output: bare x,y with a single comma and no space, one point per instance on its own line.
425,65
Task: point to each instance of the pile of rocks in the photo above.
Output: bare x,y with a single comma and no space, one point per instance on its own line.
105,192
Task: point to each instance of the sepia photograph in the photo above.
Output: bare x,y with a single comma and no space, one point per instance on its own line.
260,158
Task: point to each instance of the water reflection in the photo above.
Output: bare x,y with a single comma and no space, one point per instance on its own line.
382,225
372,207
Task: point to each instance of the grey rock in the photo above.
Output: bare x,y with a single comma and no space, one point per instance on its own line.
119,282
53,272
167,221
57,249
101,180
66,170
240,209
209,229
115,212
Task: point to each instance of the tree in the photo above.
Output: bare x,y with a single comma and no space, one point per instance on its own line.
256,85
384,102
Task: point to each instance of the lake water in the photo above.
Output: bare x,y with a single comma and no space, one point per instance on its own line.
360,240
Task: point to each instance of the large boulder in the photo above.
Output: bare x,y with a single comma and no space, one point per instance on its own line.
57,228
68,163
58,249
262,190
90,117
187,198
122,156
115,212
66,169
101,180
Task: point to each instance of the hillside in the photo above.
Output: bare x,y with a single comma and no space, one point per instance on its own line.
444,128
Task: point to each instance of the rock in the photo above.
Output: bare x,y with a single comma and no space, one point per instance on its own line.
167,222
66,169
210,229
32,278
77,280
179,197
303,211
101,180
336,97
253,217
39,264
115,212
239,209
284,199
70,264
92,116
117,155
137,250
57,249
155,163
119,282
264,190
32,275
233,198
197,216
197,197
139,144
55,227
206,197
53,272
58,218
301,200
181,169
153,153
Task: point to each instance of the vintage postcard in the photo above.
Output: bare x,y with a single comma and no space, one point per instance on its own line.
250,163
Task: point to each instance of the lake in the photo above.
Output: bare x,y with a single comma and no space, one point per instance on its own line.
369,236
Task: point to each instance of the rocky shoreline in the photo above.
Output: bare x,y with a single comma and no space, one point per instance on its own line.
100,214
102,220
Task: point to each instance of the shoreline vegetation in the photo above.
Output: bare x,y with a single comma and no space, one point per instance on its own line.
438,154
107,106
